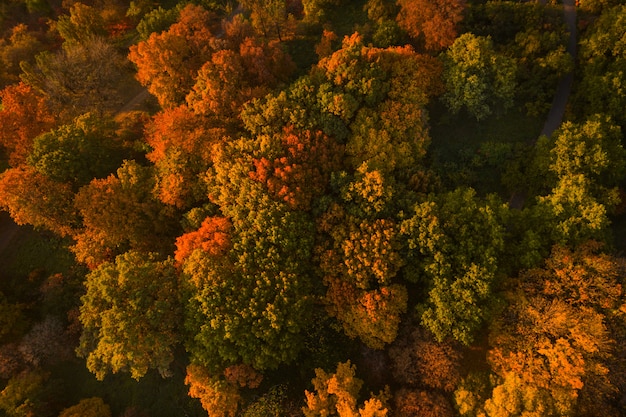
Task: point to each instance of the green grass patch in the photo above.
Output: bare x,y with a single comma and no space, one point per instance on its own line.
466,152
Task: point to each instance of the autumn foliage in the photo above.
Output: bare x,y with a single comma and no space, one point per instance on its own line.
167,63
435,22
24,116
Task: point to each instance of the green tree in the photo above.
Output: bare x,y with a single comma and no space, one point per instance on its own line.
77,152
249,301
82,24
131,316
588,161
603,60
454,242
477,78
21,396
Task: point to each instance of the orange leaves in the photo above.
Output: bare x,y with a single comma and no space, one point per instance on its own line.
301,171
218,397
178,127
24,116
232,77
435,22
212,238
33,198
167,63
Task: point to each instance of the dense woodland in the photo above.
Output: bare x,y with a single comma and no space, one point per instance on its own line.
311,208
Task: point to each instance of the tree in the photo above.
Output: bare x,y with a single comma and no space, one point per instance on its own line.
181,143
268,17
218,397
46,343
234,76
120,213
130,315
33,198
419,360
212,237
454,242
267,261
410,403
589,161
337,394
81,77
553,349
19,398
24,116
89,407
168,62
359,256
602,58
82,24
434,22
477,78
78,152
298,166
22,45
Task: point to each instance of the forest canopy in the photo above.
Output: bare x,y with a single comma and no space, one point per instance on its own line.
370,208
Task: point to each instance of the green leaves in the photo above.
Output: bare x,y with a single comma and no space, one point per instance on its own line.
477,78
131,316
454,243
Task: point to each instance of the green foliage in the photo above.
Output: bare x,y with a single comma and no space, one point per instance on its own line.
589,161
130,316
603,61
454,242
83,24
477,78
250,297
157,21
78,152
